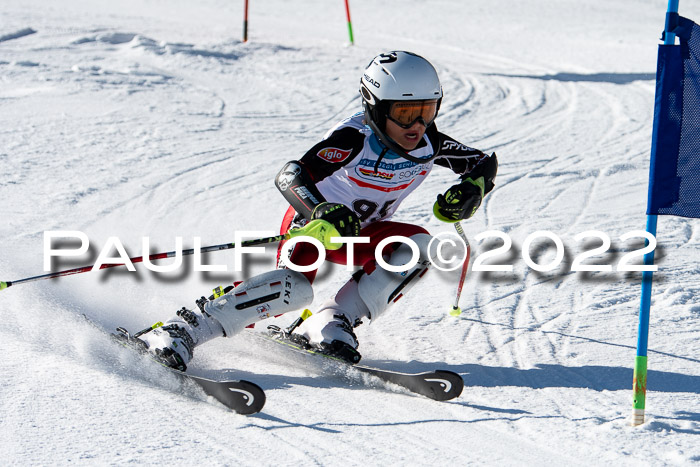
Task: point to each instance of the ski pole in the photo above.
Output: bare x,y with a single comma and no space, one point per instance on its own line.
456,310
312,229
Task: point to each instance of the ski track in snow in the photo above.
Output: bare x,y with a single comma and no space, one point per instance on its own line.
138,120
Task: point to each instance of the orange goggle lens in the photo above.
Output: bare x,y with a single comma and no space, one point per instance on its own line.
407,113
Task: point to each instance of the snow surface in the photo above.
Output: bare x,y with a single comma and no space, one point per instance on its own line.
152,119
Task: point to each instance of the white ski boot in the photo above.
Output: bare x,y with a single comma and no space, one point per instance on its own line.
173,343
366,295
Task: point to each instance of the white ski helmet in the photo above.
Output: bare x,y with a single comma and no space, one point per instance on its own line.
396,76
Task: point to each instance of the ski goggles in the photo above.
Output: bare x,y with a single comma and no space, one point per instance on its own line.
406,113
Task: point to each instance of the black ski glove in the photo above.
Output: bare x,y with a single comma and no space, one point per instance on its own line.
343,218
460,201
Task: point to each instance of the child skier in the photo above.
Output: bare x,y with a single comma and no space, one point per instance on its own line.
355,179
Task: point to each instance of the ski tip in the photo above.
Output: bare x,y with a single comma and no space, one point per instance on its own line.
455,311
449,385
254,401
243,397
3,285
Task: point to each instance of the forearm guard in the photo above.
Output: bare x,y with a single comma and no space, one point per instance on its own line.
298,188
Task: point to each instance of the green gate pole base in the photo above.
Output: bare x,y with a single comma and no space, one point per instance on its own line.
640,390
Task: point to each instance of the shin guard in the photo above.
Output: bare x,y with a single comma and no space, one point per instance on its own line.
380,288
260,297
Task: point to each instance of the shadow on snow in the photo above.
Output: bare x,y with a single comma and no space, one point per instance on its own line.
614,78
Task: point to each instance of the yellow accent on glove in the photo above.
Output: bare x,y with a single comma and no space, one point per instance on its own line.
319,229
436,213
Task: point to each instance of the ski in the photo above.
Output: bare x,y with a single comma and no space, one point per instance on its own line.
439,385
243,397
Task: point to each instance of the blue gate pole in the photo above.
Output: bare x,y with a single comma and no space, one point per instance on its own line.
639,386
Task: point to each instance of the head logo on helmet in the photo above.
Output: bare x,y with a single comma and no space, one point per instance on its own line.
396,76
371,81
